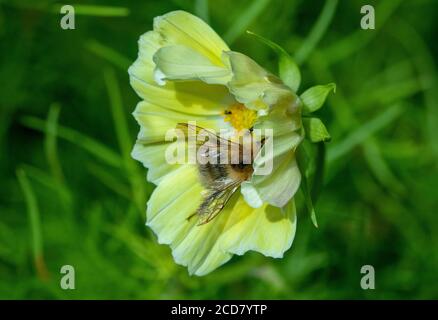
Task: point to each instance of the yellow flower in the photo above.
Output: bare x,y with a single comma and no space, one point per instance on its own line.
186,72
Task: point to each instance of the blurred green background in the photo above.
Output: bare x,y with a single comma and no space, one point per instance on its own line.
71,195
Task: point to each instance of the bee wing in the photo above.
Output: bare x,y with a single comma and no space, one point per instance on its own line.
215,201
197,129
213,147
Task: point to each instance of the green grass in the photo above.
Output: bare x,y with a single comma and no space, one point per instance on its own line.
71,194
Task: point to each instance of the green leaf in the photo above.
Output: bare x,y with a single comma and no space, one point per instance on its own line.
314,97
318,174
303,164
315,130
309,202
289,72
287,68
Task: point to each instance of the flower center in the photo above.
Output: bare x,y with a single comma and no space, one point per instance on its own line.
240,117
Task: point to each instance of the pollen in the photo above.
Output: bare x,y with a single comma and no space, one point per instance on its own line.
240,117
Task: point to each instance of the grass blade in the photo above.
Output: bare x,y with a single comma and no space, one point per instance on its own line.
357,40
362,133
245,19
348,121
201,10
89,144
317,32
109,180
49,181
96,10
123,137
287,68
50,143
109,54
35,224
426,67
119,118
379,167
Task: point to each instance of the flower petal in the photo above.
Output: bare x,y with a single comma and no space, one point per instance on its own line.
193,97
280,121
155,121
153,157
250,195
280,185
143,67
268,230
172,202
248,82
178,62
254,86
180,27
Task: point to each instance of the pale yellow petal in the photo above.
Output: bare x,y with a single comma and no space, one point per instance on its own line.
280,185
152,156
254,86
268,230
194,97
148,44
280,121
155,121
186,97
178,62
180,27
199,249
172,202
